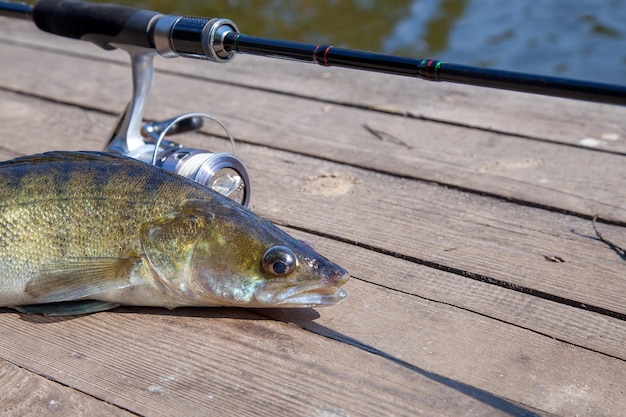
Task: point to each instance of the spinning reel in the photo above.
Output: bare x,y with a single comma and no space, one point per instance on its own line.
224,172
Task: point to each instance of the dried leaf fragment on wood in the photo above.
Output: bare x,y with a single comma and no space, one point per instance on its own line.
385,137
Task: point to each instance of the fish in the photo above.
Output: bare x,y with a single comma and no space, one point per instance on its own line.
83,231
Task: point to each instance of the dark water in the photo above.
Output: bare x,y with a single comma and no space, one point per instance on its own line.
583,39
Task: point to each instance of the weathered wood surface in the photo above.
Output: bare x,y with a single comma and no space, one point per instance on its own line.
496,155
26,393
448,204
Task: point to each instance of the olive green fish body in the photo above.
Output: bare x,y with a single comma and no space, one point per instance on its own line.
94,226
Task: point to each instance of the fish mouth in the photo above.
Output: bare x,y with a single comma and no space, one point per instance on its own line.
299,296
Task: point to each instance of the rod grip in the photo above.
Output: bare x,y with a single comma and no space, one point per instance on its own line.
102,24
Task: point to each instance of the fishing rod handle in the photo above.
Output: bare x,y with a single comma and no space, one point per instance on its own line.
102,24
111,25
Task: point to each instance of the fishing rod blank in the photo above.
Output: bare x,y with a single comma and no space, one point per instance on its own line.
108,25
428,69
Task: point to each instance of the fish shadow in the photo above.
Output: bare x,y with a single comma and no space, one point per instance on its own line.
486,397
299,315
291,315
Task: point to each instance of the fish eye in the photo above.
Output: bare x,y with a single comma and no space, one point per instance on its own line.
279,260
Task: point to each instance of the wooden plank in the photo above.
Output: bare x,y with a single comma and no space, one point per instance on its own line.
566,121
28,126
24,393
536,172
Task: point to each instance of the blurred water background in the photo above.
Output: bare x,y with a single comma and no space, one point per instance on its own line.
583,39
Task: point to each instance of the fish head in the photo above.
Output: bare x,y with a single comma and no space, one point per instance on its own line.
235,258
246,260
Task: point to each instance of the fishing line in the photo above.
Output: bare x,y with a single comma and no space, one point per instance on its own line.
618,249
176,121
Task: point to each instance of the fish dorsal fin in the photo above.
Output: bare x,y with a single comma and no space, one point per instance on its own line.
169,241
66,156
80,278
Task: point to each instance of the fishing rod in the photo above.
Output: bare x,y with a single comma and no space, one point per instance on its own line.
219,40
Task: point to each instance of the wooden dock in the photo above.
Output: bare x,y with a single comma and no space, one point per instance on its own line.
478,287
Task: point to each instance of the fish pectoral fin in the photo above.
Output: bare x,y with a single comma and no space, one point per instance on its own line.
67,308
166,239
80,278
